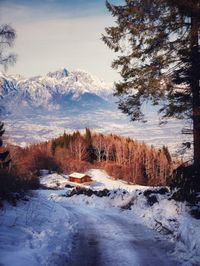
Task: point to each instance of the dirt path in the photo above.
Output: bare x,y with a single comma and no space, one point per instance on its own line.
109,238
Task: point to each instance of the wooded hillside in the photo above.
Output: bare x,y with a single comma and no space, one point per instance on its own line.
123,158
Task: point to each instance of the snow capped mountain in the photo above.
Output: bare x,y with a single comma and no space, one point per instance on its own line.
62,73
56,90
42,107
78,82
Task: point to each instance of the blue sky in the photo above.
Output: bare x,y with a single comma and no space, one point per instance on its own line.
59,33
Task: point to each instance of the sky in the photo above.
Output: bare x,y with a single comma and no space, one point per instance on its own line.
52,34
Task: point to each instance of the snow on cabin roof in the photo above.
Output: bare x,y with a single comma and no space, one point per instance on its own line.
77,175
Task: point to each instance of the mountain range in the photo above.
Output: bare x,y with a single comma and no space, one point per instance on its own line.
43,107
57,90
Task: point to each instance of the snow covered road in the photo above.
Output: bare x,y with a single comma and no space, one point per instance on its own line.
109,238
51,228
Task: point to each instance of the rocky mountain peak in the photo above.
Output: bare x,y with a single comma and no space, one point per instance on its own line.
59,74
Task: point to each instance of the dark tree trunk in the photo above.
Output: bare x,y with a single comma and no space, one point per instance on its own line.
195,86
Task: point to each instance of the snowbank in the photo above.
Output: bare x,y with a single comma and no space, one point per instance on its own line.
172,219
54,181
41,229
103,180
35,232
167,216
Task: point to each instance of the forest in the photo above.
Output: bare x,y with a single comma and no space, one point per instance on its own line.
121,157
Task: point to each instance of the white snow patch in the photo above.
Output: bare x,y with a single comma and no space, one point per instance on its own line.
43,226
35,232
54,180
173,216
168,216
102,180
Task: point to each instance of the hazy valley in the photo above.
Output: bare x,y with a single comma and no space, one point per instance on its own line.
40,108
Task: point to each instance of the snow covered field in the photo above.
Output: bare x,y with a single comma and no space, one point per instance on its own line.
35,232
43,107
49,228
26,129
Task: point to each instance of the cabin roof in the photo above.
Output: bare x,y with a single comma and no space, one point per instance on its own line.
77,175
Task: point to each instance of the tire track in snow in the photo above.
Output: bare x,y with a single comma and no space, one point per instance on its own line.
109,238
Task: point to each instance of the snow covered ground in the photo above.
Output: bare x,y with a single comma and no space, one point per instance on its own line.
50,228
26,129
35,232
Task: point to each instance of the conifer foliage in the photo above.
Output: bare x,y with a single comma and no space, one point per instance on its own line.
4,164
4,154
158,56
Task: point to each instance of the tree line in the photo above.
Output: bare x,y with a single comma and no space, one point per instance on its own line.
123,158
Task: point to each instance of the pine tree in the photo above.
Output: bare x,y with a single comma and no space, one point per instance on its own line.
5,185
4,155
88,137
65,141
7,37
157,42
53,147
90,150
167,154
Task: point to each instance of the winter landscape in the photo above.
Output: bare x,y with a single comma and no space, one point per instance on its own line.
40,108
94,168
52,228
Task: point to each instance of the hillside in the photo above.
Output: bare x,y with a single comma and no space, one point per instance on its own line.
123,158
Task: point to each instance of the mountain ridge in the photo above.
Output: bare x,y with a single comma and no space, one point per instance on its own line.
75,87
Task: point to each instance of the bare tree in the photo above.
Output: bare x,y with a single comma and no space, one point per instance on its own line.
80,148
98,142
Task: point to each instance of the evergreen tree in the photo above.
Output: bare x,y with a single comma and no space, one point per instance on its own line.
53,147
157,42
65,140
7,37
88,137
4,155
5,185
90,150
167,154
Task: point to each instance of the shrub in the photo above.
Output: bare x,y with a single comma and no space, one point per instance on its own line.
11,183
185,183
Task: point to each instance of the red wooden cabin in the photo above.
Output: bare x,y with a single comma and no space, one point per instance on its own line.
79,178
